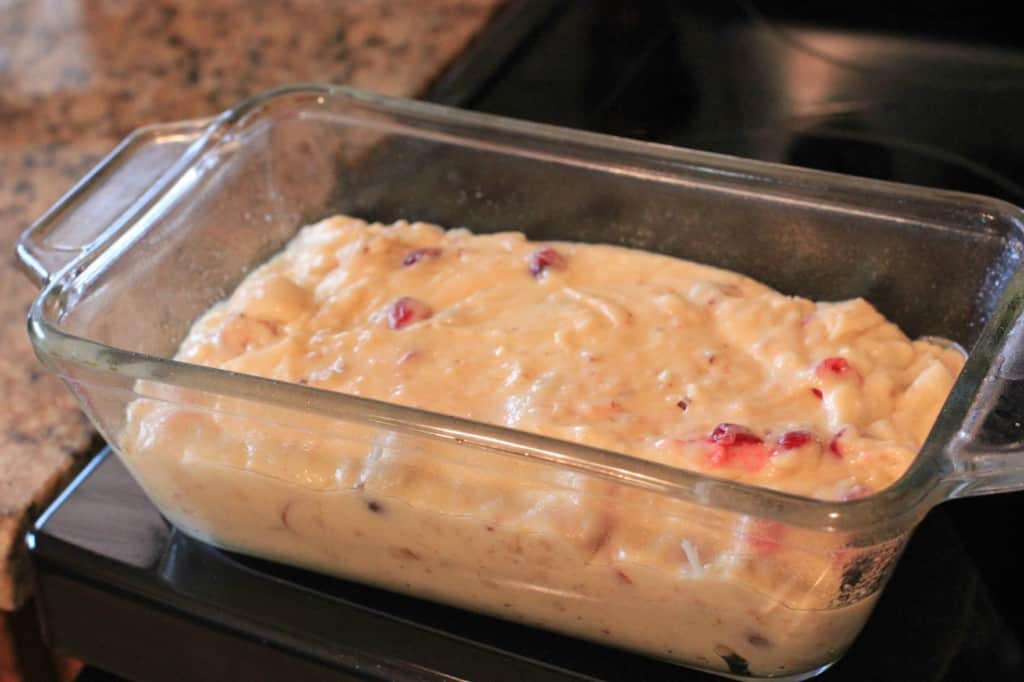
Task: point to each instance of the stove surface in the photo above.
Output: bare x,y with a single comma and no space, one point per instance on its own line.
921,93
925,93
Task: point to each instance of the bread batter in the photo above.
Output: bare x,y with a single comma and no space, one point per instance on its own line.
638,353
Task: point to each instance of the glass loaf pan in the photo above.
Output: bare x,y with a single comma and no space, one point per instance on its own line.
720,576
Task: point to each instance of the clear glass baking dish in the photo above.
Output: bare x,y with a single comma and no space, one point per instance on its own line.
707,573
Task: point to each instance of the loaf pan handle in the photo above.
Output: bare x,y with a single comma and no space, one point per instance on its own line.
988,454
94,209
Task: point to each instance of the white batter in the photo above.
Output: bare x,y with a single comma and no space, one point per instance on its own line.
643,354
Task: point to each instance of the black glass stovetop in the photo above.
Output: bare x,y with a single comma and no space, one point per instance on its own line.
925,93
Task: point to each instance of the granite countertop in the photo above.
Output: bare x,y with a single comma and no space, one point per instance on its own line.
76,77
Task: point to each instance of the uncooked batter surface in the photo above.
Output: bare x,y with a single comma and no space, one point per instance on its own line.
648,355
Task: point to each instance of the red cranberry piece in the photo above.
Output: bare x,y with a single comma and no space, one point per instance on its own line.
817,393
735,444
791,440
546,259
719,456
732,434
766,536
750,456
833,445
416,255
407,310
836,367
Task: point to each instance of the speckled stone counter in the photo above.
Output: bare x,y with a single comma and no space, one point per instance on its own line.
76,77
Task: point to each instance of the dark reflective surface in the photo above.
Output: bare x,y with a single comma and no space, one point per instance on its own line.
883,90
